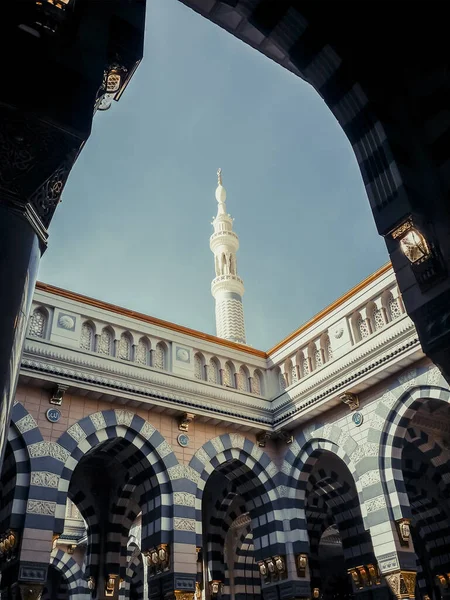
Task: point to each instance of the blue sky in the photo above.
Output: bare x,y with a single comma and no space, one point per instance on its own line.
134,225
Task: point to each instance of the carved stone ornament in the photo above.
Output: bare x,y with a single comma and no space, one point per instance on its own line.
31,591
402,584
58,394
351,400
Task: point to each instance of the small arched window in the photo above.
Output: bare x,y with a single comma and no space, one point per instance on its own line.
377,318
125,347
228,375
105,342
327,349
257,383
281,380
199,366
243,379
363,327
38,323
305,365
87,336
214,371
143,352
394,308
161,356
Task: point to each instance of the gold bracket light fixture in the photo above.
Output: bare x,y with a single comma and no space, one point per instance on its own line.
404,531
412,243
421,253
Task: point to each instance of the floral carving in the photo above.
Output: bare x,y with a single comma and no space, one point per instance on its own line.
364,450
98,420
51,449
237,441
164,449
218,445
369,478
147,430
44,479
176,472
184,499
124,417
76,432
26,423
376,503
41,507
87,337
202,456
184,524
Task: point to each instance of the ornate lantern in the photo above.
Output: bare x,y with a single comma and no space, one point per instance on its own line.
91,583
412,243
110,585
301,563
404,531
163,555
215,588
280,565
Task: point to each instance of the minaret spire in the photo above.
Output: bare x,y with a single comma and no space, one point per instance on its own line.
227,288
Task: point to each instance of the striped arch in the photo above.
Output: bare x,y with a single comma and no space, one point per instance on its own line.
252,473
299,462
85,503
124,512
134,575
227,509
247,580
393,437
23,474
332,500
150,448
72,573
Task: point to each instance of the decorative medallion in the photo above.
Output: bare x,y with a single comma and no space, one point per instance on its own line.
66,322
357,419
339,333
53,415
183,440
183,355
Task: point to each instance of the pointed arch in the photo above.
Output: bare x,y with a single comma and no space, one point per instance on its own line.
243,379
199,366
229,375
105,343
161,356
253,473
39,321
214,371
87,338
71,571
143,352
257,383
125,346
151,452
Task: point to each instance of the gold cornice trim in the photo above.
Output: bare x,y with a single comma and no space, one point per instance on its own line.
45,287
381,271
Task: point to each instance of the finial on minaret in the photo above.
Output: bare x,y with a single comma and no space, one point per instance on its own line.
219,176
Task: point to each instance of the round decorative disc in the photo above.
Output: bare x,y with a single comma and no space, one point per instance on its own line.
53,415
183,440
357,419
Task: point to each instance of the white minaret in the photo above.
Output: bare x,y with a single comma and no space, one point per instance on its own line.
227,288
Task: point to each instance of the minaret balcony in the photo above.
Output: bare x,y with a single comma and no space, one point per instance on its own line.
227,283
226,239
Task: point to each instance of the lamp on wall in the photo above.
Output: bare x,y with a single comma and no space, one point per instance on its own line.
113,81
301,563
420,251
404,531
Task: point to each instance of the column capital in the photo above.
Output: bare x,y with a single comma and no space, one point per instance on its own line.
402,583
31,591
